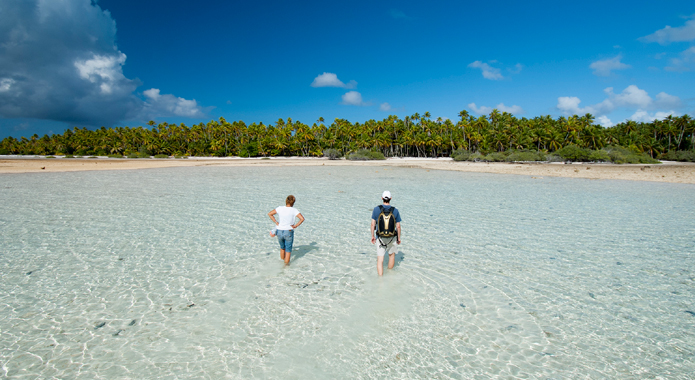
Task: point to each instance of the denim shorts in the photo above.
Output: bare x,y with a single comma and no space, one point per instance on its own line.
285,238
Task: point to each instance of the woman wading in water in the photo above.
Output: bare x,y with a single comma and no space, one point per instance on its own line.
285,226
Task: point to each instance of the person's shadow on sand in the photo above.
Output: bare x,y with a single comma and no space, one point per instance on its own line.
301,250
400,256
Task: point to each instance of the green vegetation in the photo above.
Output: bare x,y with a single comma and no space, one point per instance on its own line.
681,155
365,155
115,156
331,154
498,136
161,156
137,155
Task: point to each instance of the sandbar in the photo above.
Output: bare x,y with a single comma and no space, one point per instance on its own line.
674,172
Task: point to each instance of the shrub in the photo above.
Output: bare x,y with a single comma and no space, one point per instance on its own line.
460,155
4,152
620,155
573,153
599,156
331,154
133,155
364,155
69,156
679,155
496,157
50,156
161,156
115,155
554,158
476,157
525,155
376,156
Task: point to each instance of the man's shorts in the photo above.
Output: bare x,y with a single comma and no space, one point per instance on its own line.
285,238
390,246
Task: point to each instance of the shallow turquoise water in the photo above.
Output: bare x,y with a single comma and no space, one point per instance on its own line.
497,276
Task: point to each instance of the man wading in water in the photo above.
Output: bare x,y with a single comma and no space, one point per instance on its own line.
387,221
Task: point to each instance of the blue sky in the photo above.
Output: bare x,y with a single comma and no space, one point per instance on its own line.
66,63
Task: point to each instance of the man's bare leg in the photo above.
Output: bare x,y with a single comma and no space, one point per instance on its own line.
392,260
287,257
282,254
380,265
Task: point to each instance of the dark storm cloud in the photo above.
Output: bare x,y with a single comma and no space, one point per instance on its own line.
59,61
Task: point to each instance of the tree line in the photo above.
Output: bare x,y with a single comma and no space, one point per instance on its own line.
413,136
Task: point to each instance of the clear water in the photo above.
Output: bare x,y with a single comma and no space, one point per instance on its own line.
170,273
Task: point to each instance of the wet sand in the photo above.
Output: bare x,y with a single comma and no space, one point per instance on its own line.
675,172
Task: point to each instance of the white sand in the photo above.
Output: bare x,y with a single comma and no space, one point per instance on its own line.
676,172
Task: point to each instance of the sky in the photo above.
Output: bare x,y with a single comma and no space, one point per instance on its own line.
87,63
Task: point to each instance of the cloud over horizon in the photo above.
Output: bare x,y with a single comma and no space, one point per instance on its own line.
67,67
483,110
631,98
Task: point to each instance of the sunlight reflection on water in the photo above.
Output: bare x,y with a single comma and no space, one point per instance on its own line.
171,273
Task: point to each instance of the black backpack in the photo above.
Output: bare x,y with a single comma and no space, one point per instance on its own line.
386,223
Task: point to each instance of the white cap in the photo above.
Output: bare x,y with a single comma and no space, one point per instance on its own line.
386,195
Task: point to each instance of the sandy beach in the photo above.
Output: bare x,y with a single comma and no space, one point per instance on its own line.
675,172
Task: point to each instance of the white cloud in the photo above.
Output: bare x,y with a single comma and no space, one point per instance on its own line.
668,34
157,104
664,100
632,97
479,110
66,66
385,107
604,121
489,72
570,105
107,71
685,63
513,109
604,67
6,84
331,80
646,117
483,110
353,98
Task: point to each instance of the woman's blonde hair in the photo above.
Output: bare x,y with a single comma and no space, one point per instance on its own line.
290,200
